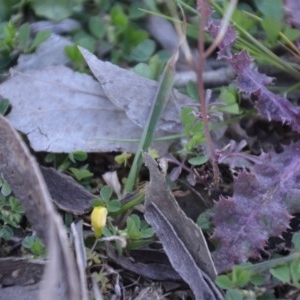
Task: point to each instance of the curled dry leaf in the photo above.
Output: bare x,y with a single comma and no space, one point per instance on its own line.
182,239
21,171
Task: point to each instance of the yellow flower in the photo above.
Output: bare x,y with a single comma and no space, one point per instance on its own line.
98,219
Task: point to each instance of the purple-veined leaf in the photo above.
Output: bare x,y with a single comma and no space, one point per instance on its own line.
264,199
250,81
270,105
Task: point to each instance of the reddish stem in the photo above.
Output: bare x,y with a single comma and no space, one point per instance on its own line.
203,105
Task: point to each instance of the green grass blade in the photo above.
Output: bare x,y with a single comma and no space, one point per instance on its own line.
161,98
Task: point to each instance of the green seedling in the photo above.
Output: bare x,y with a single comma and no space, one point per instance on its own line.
137,232
11,211
34,245
112,205
76,58
246,278
14,41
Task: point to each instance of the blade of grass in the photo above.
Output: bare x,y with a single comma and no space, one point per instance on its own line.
160,100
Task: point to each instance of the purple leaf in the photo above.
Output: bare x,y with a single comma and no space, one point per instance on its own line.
225,46
260,207
270,105
250,81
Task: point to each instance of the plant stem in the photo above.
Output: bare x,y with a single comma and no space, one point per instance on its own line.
203,107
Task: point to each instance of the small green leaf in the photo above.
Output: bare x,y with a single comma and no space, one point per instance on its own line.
257,279
10,31
106,232
73,53
228,96
98,202
123,158
147,233
97,27
295,272
192,90
78,156
248,24
144,70
136,220
132,229
5,189
39,39
35,245
23,36
54,10
296,241
134,36
272,8
282,273
105,193
113,206
137,243
234,294
291,33
198,160
50,158
152,70
143,51
118,17
68,219
224,282
240,276
75,57
135,11
4,106
204,220
6,232
85,40
81,174
272,28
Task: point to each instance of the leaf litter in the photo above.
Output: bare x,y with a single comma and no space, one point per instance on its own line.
61,110
266,183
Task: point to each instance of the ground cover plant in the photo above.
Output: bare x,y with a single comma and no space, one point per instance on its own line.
148,184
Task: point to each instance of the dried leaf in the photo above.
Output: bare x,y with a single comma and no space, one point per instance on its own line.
66,193
135,94
64,111
182,239
154,271
21,171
